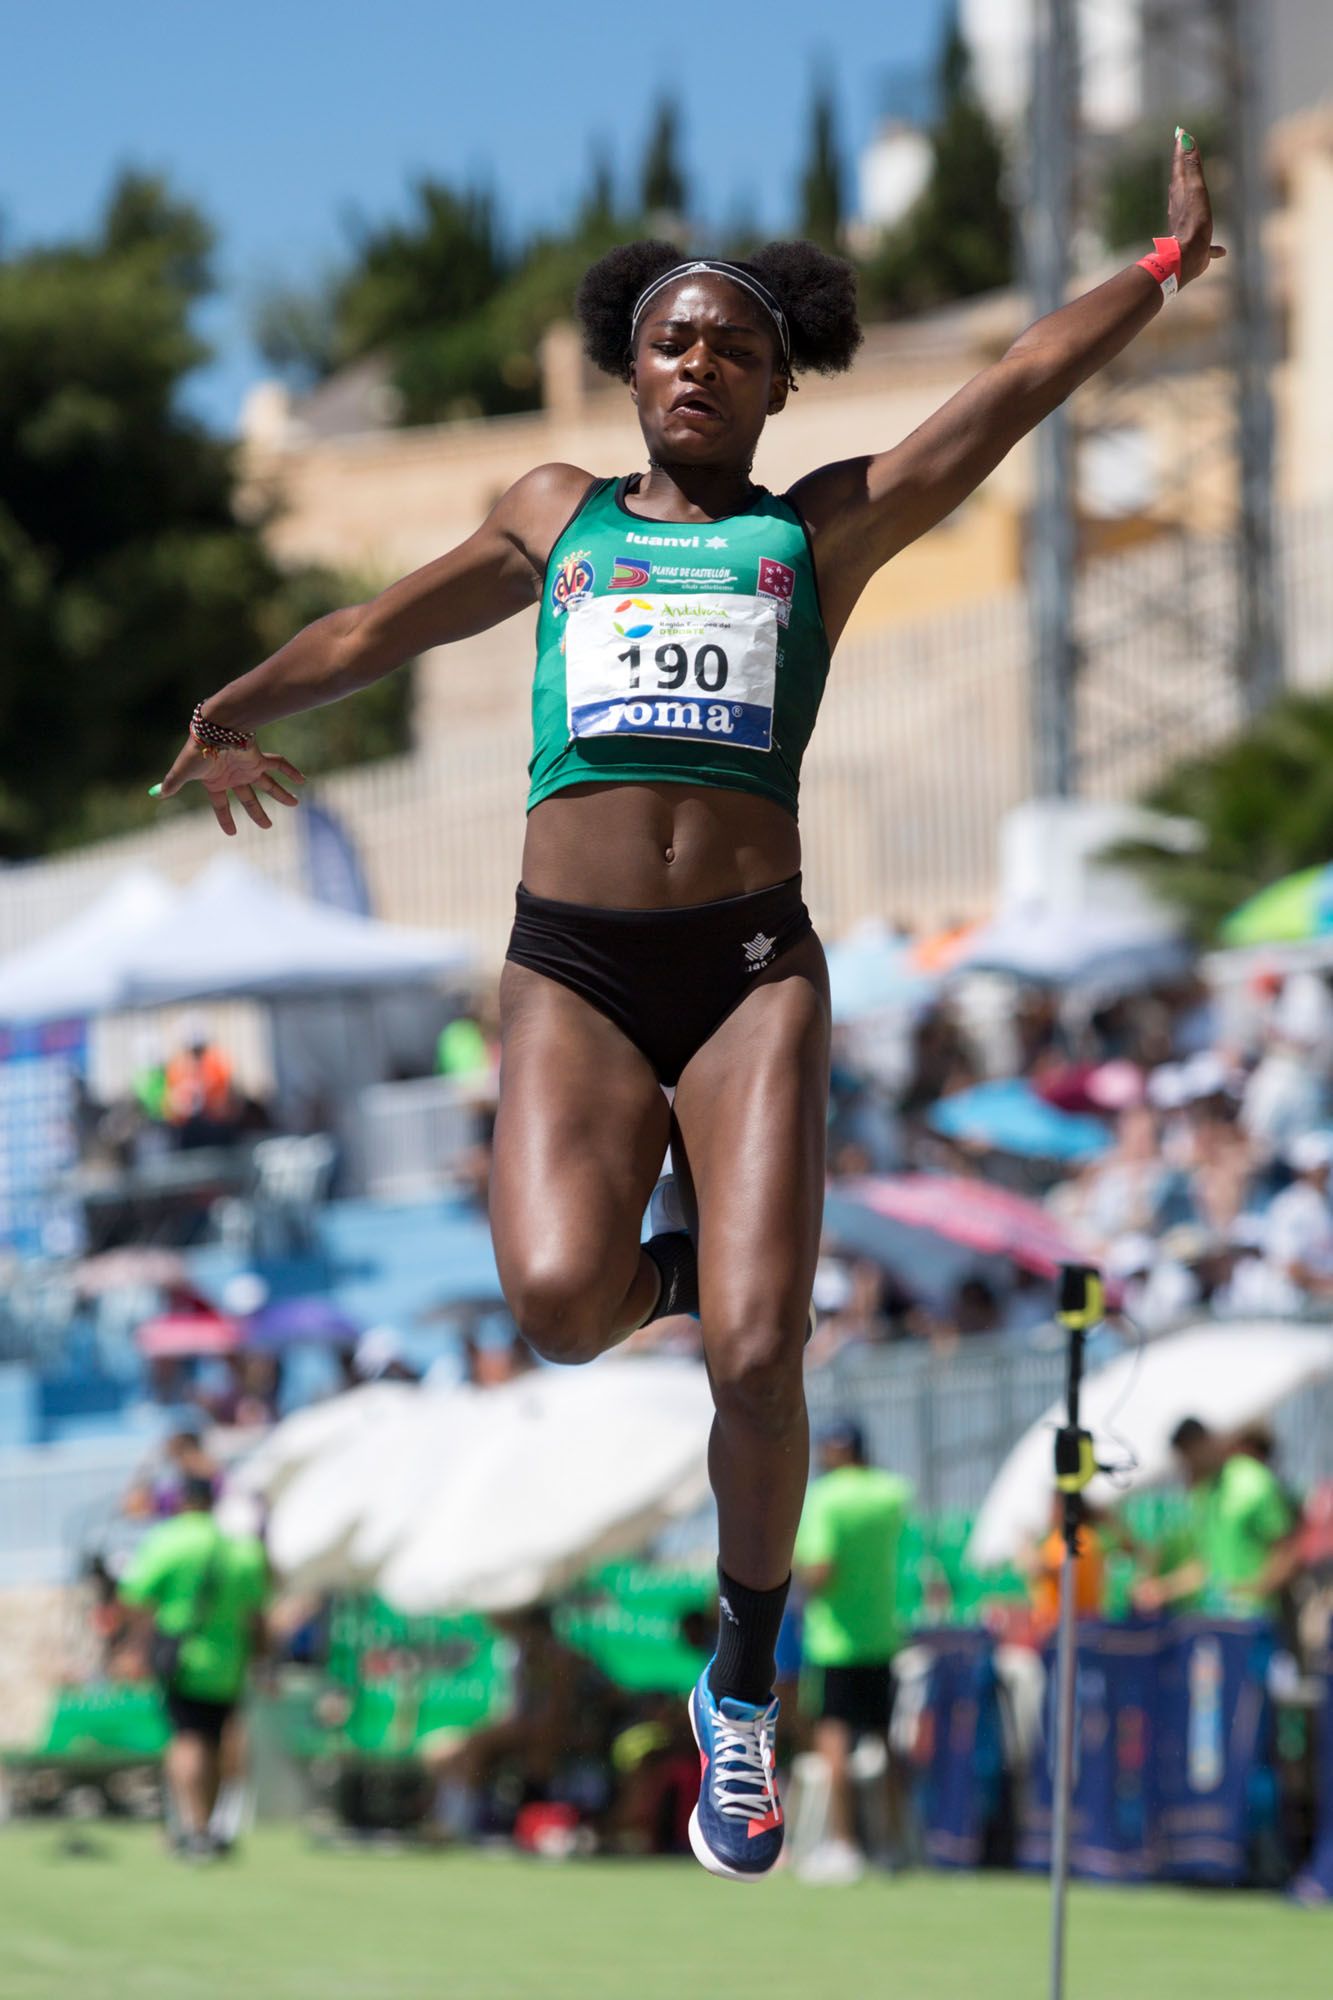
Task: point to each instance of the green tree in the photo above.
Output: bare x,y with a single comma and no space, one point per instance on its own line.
597,210
128,587
490,365
662,189
1263,803
437,268
821,181
957,239
295,328
417,293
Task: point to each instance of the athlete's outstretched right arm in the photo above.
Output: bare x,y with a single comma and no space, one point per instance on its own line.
486,579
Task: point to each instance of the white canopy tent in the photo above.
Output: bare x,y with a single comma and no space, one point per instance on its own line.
348,998
237,935
485,1499
338,987
1113,949
80,969
1226,1375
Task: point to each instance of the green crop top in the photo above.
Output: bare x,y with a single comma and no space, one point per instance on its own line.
688,652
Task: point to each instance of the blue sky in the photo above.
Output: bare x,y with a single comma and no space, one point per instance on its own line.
280,116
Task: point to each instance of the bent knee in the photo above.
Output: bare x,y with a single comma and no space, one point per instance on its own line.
758,1374
560,1312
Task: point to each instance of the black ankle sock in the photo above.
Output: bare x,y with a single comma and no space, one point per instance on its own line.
677,1261
747,1637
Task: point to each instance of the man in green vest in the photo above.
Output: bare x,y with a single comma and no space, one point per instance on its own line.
847,1565
1244,1531
203,1593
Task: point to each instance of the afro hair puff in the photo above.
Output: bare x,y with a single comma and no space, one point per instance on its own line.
816,292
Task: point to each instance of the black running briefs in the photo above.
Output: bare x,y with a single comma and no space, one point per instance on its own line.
667,978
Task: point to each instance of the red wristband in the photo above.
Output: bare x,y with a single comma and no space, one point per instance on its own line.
1164,264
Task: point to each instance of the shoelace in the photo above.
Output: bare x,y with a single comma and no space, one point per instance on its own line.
743,1761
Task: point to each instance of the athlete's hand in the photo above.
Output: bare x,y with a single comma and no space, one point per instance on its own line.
244,772
1189,213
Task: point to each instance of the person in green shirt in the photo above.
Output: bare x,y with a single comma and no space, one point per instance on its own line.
203,1592
847,1565
462,1052
1244,1531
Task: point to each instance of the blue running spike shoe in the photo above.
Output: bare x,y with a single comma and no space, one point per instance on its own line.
736,1828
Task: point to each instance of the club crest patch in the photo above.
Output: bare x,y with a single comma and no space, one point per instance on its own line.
778,581
573,580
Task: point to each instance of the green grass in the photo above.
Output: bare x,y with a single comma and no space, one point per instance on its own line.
283,1921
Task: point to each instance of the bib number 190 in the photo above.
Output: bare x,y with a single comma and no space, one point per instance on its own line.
673,665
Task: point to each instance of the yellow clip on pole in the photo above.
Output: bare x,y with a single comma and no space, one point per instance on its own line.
1076,1478
1082,1298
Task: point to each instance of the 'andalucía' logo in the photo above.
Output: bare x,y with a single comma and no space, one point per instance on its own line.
633,631
574,579
630,574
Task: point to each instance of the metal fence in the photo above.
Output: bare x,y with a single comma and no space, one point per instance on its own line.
944,1423
412,1135
947,1423
58,1501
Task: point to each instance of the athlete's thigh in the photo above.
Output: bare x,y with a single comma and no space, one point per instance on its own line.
580,1131
752,1107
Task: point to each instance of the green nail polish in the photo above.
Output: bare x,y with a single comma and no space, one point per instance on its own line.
1187,143
154,791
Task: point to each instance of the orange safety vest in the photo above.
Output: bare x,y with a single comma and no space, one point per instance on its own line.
198,1085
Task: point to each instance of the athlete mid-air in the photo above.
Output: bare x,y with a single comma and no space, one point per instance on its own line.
686,621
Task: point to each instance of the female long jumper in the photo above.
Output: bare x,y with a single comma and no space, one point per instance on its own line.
686,623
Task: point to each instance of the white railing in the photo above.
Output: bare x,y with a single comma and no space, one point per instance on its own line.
57,1501
413,1135
946,1423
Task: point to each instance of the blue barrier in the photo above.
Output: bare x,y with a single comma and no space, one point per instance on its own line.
1111,1815
963,1781
1174,1777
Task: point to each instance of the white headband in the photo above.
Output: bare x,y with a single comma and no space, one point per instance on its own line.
723,270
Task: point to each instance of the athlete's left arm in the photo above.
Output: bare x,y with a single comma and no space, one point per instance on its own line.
862,511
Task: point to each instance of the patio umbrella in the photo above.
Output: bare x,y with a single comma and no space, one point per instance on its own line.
309,1434
1224,1375
1292,911
1111,951
915,1221
396,1441
182,1336
1008,1116
290,1322
487,1498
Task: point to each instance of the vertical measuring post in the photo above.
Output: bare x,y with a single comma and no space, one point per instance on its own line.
1247,34
1052,542
1081,1307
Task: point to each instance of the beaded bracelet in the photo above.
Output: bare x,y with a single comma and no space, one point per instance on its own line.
215,736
